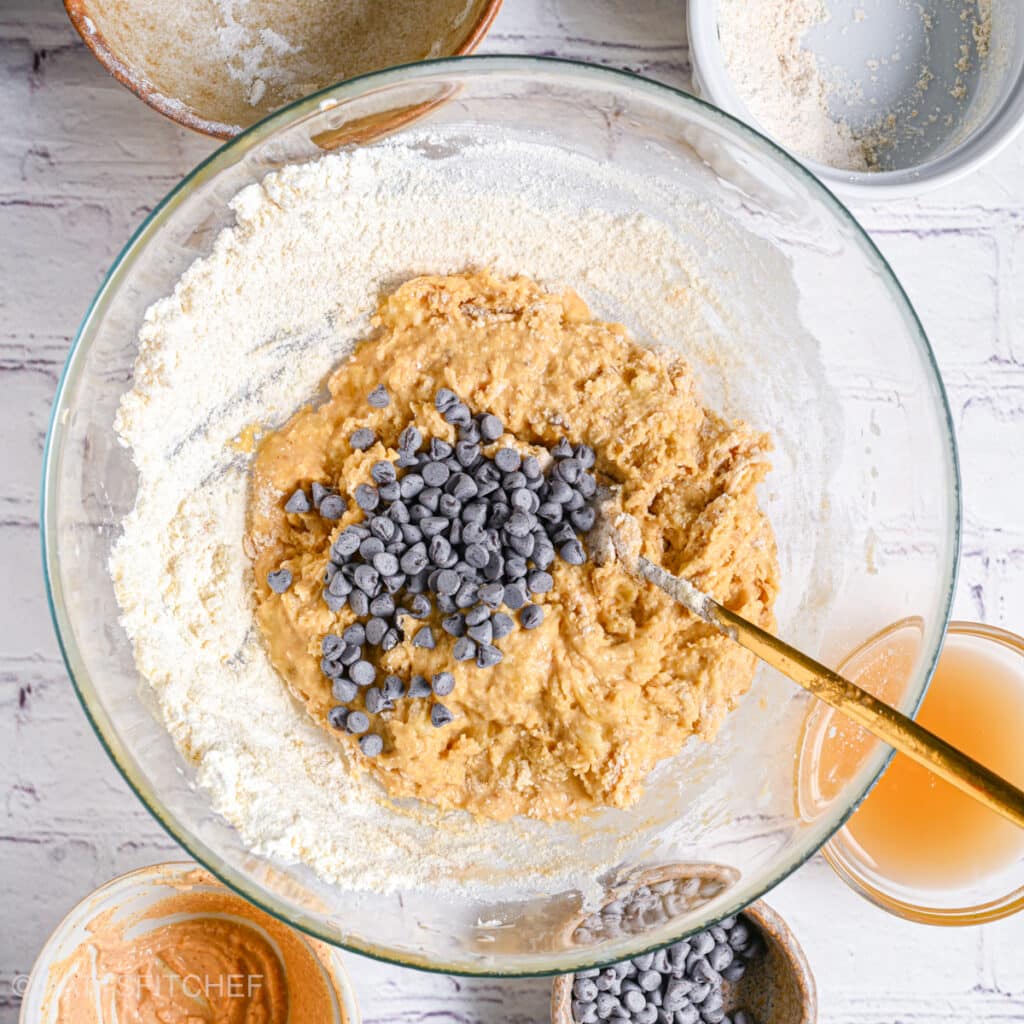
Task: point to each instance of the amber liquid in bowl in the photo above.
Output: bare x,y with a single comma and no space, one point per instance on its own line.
914,829
918,830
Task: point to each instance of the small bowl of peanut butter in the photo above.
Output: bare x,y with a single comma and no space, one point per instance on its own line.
170,942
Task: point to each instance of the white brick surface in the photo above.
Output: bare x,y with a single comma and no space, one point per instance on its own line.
81,161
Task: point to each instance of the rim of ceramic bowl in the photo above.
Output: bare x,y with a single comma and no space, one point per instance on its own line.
851,870
230,153
983,144
179,112
138,877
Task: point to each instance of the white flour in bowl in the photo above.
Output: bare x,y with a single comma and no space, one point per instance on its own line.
858,85
248,335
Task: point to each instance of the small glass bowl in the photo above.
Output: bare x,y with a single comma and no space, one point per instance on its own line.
994,896
132,893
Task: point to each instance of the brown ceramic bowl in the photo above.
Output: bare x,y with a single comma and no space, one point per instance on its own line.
195,62
778,987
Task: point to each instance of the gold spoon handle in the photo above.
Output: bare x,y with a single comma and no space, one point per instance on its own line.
886,723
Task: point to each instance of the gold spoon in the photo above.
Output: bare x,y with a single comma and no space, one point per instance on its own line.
886,723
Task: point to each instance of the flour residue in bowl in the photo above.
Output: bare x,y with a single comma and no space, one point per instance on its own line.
231,62
857,86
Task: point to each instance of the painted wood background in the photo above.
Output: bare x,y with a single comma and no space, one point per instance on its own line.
82,162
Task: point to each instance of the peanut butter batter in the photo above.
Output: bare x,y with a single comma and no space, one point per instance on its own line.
201,955
617,677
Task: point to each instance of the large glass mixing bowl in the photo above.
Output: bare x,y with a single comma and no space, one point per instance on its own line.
805,333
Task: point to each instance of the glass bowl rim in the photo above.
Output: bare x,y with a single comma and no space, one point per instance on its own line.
849,870
225,155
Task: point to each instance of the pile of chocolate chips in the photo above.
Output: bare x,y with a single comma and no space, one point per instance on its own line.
682,984
460,530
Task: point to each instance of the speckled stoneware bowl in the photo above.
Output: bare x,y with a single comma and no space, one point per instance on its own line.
778,987
218,68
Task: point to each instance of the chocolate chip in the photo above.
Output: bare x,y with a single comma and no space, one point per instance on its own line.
419,687
477,615
279,580
433,525
362,439
345,544
487,655
410,439
440,551
383,606
297,503
376,702
418,606
319,493
572,552
371,745
367,579
464,649
358,602
393,687
543,555
634,1001
501,625
467,453
520,524
344,690
440,716
370,546
414,560
508,460
531,616
357,722
454,625
331,645
515,567
482,632
439,449
375,630
442,684
379,397
435,474
362,673
462,487
355,634
424,639
384,527
367,497
458,414
491,428
447,582
477,555
539,582
350,654
385,563
337,717
583,519
444,399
